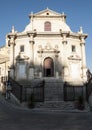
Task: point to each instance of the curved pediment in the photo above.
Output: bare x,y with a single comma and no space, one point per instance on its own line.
74,57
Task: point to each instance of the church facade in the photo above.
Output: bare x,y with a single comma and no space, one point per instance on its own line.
47,49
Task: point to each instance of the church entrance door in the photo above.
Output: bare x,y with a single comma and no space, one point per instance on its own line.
48,67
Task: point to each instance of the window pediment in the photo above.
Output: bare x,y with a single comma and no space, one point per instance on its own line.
74,57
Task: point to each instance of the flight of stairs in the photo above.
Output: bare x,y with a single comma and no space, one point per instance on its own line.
53,90
53,94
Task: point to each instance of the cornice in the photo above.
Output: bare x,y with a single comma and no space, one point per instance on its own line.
61,16
78,35
55,34
48,34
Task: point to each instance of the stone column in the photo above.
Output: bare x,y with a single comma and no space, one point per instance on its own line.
11,43
31,52
57,67
31,63
40,51
83,56
64,58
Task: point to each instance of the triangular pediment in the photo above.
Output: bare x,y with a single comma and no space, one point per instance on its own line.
47,12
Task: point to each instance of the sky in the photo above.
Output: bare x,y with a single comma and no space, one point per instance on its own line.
79,13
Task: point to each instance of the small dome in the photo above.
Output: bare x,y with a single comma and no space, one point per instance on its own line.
65,27
28,27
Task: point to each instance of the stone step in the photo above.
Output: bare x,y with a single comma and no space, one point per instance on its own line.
61,105
53,90
56,104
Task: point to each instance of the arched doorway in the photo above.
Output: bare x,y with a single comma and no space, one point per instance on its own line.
48,66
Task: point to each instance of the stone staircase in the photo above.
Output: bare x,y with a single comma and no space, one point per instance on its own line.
53,94
53,90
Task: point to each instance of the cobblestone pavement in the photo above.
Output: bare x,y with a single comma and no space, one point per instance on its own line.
14,118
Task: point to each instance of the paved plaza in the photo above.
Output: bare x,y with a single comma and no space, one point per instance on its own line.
12,117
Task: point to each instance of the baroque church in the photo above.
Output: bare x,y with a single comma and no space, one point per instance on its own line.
47,49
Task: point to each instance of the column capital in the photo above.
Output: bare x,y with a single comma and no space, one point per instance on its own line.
11,38
32,33
82,40
64,35
82,43
31,41
64,42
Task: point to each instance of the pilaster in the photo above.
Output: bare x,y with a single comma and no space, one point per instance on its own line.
64,57
11,43
83,65
31,42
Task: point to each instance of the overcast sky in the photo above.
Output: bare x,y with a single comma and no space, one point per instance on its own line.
79,13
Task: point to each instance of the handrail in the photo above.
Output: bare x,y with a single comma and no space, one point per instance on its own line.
16,89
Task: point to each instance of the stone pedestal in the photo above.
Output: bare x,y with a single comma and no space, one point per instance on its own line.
40,74
57,75
66,73
31,73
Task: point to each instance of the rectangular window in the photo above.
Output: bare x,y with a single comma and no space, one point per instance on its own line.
22,48
73,48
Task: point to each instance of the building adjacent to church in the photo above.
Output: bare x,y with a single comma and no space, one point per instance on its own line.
47,49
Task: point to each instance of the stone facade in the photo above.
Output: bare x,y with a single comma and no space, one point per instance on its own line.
47,48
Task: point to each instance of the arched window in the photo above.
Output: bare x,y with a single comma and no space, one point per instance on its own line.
47,26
